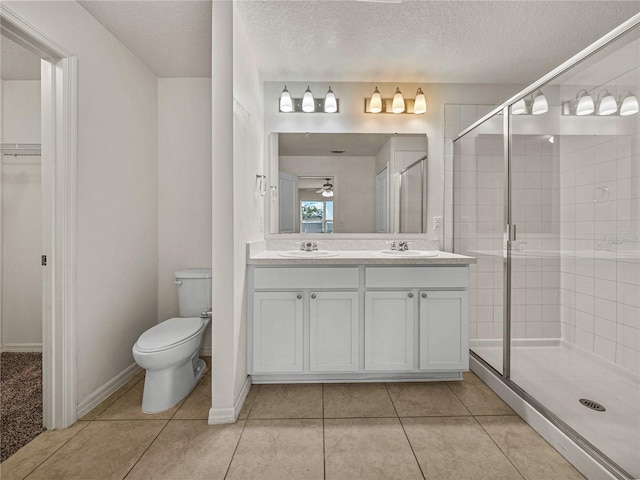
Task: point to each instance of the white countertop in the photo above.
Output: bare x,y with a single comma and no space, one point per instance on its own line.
359,257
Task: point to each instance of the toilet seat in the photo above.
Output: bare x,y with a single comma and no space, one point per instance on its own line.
169,334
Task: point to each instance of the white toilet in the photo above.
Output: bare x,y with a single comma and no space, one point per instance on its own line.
169,351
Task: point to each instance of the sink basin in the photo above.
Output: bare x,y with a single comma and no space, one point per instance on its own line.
410,253
303,254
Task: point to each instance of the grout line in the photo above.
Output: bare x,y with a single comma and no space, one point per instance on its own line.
114,402
55,451
324,451
502,451
246,420
459,399
146,449
405,433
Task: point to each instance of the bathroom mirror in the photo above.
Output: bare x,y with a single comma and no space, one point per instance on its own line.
354,183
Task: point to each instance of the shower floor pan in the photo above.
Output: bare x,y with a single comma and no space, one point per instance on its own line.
559,376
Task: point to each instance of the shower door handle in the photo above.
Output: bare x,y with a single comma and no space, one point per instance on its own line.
511,232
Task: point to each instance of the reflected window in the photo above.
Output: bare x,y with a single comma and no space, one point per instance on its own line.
316,216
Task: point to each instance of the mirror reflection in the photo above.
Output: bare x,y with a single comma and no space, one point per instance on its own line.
349,183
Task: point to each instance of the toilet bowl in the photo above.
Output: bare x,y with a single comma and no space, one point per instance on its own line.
169,351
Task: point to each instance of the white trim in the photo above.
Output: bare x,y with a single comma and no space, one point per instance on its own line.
59,170
101,394
580,459
21,347
205,351
218,416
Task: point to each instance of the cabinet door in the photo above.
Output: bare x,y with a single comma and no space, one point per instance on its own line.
277,332
444,331
389,326
333,332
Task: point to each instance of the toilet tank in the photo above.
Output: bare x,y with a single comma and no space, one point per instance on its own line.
194,291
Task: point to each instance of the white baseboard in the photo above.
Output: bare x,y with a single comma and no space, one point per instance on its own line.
94,399
205,351
580,459
21,347
219,416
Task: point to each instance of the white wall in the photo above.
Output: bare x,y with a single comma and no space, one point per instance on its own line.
21,320
354,187
353,119
184,185
117,240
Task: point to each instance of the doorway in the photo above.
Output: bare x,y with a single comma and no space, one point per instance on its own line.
58,93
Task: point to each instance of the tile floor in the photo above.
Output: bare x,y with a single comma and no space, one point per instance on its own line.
448,430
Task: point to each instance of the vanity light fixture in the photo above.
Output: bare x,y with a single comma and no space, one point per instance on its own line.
375,106
607,105
584,105
629,105
308,104
286,104
420,104
539,105
519,108
397,104
330,102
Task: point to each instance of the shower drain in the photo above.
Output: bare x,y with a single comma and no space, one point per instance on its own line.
592,405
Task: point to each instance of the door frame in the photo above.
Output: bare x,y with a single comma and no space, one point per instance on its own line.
59,91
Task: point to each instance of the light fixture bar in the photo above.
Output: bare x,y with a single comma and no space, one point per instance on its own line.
319,104
387,103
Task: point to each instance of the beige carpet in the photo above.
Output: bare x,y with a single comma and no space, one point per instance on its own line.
20,400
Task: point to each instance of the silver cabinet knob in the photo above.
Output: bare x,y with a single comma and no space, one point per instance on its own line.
410,295
424,295
299,296
313,295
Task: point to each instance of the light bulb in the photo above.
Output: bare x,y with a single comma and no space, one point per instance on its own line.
519,108
308,104
585,104
375,105
286,105
539,104
629,105
398,102
607,105
330,102
420,104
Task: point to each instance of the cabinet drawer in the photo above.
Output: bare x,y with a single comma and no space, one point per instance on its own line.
305,277
416,277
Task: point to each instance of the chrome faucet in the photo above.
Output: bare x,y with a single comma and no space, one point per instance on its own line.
309,246
400,245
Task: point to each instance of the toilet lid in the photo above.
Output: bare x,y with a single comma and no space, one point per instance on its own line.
168,333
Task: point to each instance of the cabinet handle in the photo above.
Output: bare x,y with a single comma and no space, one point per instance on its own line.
424,295
299,296
410,295
313,295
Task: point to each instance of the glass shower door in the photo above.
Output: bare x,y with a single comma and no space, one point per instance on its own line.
479,219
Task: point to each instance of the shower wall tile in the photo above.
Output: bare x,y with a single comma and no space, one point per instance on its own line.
600,228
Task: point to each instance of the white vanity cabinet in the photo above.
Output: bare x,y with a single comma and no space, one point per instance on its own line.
357,322
334,331
304,320
389,330
277,331
444,330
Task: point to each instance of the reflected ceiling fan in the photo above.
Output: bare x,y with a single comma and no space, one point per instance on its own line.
327,189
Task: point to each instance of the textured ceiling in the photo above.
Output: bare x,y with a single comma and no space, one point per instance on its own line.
173,38
423,41
16,62
410,41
